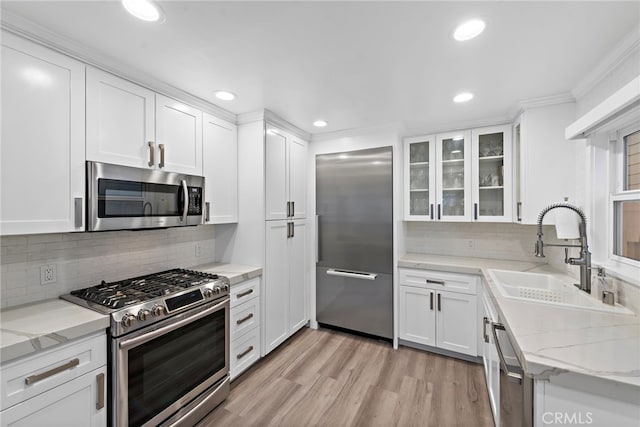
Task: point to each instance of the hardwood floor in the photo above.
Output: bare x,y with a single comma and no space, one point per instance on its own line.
328,378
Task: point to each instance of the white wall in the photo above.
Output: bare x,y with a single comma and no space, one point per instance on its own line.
384,136
84,259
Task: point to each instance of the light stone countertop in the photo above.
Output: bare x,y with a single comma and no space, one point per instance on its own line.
30,328
236,273
552,340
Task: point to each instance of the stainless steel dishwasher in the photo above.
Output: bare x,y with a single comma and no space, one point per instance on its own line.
516,388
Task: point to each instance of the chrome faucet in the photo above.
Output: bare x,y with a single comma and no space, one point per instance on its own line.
585,256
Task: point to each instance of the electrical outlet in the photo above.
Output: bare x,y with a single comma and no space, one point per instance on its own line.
198,250
471,244
48,274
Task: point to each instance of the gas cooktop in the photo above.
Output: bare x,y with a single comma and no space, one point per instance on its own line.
140,301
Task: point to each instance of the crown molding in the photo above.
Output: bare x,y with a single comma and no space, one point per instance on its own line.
275,120
621,51
396,127
543,101
27,29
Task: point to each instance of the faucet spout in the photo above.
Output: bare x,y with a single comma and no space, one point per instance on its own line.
585,256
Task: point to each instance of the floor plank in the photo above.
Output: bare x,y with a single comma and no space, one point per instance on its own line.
328,378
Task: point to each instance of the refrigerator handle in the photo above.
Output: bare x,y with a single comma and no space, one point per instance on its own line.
352,274
317,239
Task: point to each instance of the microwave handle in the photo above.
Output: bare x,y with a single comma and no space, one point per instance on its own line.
185,206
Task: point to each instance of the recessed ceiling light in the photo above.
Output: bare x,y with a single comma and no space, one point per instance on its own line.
469,30
147,10
225,96
463,97
320,123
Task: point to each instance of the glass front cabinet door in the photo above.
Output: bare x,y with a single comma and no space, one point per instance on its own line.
492,174
453,176
419,181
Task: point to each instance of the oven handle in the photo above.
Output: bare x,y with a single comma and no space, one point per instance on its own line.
185,207
134,342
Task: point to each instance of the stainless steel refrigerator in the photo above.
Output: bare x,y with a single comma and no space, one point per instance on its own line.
354,269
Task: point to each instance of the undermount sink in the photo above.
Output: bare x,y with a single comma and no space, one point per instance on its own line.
548,289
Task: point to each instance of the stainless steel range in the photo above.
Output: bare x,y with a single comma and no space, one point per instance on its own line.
169,345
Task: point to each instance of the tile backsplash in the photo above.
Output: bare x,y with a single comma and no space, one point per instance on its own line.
488,240
84,259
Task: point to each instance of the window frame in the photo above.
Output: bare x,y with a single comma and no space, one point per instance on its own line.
617,193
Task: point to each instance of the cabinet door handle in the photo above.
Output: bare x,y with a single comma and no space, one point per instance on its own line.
431,211
77,204
244,319
245,293
207,208
431,300
244,353
475,211
32,379
152,153
100,381
293,208
439,302
288,209
435,282
438,211
293,230
161,146
519,211
485,322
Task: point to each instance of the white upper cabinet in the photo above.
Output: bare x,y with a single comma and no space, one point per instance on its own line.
220,169
545,172
178,136
42,163
453,176
492,174
120,121
132,126
285,175
420,178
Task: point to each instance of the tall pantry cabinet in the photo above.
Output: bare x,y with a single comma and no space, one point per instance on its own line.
272,228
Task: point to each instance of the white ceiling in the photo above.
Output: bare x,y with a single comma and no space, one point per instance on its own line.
355,64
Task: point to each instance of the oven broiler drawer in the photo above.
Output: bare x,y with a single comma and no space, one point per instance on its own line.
30,376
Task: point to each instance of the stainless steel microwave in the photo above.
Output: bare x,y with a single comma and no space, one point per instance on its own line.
126,198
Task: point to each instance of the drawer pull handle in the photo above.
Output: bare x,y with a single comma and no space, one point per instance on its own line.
435,282
244,319
244,353
100,381
32,379
245,293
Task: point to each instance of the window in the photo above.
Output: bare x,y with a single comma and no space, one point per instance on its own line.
626,199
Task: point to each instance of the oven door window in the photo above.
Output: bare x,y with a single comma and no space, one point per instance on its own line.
117,199
166,368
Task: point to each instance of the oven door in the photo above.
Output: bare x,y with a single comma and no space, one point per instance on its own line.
158,370
121,197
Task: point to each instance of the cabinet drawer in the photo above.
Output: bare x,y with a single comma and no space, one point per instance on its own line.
244,352
245,291
51,368
244,317
452,282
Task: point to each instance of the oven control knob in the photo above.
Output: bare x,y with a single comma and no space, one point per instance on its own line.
143,314
225,287
216,289
208,293
127,320
157,310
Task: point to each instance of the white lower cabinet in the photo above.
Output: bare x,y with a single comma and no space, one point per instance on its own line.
62,386
285,281
439,310
490,357
245,326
